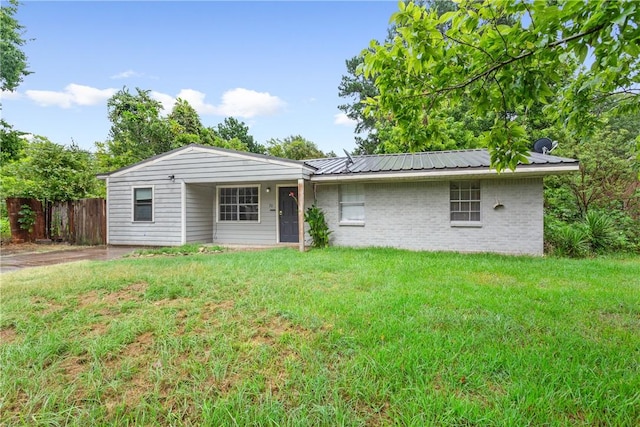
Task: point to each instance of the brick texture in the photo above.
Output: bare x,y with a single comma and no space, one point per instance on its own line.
415,215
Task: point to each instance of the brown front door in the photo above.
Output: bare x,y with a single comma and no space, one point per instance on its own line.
288,214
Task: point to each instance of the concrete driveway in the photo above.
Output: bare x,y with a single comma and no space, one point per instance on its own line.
17,261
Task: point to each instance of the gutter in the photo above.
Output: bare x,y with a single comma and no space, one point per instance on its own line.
521,171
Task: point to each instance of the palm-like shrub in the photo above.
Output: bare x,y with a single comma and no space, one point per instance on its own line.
570,240
601,230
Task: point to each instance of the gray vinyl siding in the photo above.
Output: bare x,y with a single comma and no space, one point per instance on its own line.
200,216
164,230
196,166
264,232
415,215
200,171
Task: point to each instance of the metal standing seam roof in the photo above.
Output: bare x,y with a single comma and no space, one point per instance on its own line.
408,162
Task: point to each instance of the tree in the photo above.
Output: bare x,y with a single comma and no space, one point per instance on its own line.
378,135
232,128
53,172
501,58
184,122
295,148
137,130
186,116
355,85
606,188
11,141
608,176
13,61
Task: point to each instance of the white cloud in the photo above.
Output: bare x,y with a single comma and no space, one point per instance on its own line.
126,75
239,102
247,103
73,94
196,100
343,120
5,94
167,101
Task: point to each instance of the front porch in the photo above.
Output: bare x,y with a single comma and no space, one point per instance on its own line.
249,214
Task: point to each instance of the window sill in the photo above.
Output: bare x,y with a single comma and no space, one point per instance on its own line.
467,224
351,223
142,222
237,222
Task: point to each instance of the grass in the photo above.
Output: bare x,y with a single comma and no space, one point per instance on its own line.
188,249
327,337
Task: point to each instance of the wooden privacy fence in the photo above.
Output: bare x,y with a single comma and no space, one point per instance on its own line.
78,222
22,231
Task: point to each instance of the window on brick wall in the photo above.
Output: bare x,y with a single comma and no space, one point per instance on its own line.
464,201
352,204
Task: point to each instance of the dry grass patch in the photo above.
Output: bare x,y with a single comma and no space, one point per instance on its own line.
133,292
8,335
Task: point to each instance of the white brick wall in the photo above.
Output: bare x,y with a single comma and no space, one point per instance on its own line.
415,215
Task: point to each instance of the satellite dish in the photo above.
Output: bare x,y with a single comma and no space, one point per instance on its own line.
544,146
349,158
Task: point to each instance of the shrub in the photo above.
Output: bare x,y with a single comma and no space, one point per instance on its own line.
5,229
601,231
571,240
27,218
318,228
627,230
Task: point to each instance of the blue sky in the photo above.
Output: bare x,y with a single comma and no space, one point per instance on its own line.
274,65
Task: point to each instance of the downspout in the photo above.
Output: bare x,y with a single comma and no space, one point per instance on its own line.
183,213
107,211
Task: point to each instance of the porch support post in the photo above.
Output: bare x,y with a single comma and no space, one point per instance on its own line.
107,199
183,212
301,215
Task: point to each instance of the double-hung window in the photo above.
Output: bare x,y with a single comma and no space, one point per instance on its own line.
352,204
143,204
464,201
239,203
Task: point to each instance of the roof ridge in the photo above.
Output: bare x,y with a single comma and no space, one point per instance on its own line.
465,150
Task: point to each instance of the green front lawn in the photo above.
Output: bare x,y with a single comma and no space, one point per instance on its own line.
327,337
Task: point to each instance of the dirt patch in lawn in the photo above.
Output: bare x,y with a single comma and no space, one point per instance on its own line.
97,329
74,366
270,332
212,309
132,292
47,306
137,355
8,335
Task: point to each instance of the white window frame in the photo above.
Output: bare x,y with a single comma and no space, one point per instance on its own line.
133,203
470,185
341,204
238,221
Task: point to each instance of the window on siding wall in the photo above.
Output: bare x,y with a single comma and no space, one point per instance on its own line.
465,201
352,203
143,204
238,204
